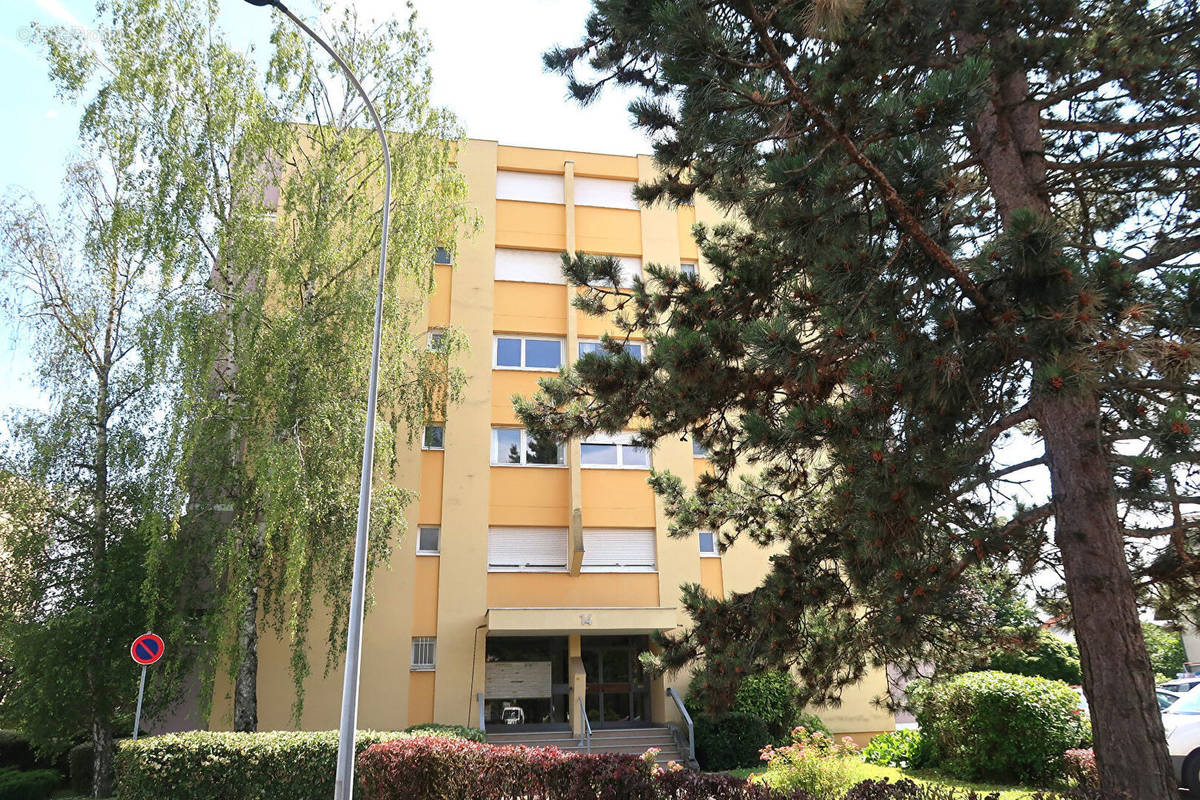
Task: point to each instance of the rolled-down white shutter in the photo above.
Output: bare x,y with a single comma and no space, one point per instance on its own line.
618,550
531,549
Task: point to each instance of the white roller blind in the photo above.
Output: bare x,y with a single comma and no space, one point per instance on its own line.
618,550
630,268
530,266
605,193
529,549
529,187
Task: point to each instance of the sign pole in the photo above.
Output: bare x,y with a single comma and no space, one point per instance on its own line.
137,718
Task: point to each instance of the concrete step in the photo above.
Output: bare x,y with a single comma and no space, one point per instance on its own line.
632,741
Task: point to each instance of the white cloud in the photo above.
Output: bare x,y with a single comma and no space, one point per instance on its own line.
56,9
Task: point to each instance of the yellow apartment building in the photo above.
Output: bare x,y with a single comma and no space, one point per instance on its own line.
533,573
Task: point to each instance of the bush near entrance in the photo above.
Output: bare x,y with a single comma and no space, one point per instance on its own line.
999,726
729,741
33,785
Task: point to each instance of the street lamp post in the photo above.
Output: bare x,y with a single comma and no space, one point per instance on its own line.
344,782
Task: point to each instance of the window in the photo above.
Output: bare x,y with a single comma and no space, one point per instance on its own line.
527,549
514,352
442,256
698,450
437,340
633,348
529,187
708,544
688,268
435,436
429,540
529,266
618,550
605,193
613,451
424,652
516,446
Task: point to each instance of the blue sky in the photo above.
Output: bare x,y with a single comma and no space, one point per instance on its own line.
488,71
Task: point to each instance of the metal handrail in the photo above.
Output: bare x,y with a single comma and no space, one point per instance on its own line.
586,738
482,721
674,695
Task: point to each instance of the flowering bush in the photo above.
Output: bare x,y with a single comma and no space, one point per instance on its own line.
814,763
1079,767
901,749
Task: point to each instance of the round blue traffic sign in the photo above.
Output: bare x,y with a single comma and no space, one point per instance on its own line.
146,649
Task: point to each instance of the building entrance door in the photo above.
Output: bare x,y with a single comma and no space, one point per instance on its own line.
618,691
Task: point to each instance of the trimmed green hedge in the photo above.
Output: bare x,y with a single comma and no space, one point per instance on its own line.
998,726
34,785
16,751
457,731
207,765
730,741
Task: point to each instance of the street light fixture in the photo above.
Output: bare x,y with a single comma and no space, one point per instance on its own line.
344,782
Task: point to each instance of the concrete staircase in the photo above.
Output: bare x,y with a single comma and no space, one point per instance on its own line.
605,740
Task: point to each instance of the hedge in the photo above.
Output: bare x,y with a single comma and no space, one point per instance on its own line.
730,741
16,751
34,785
206,765
999,726
448,769
80,761
439,729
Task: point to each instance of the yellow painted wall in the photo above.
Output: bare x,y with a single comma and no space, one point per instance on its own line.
426,574
710,576
614,498
685,219
592,165
430,509
588,590
439,301
539,226
530,308
506,382
420,696
528,497
608,231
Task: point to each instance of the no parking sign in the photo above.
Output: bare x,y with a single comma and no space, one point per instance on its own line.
146,649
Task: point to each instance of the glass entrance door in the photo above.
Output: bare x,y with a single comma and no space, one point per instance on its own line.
618,691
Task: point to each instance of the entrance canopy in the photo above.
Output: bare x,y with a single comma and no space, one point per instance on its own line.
587,621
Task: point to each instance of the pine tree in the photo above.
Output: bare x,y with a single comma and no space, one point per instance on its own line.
959,226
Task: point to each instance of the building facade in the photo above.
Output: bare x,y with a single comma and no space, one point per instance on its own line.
533,573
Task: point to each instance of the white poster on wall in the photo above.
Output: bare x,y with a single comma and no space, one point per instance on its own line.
513,680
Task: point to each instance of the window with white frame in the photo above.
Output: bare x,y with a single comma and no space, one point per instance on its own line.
613,451
618,550
698,449
586,346
527,549
429,540
529,266
424,652
437,340
688,268
527,352
708,544
605,193
529,187
434,438
442,256
515,447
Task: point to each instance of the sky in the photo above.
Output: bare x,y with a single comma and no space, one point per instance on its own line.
486,65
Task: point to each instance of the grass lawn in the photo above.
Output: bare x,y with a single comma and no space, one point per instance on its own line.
1007,792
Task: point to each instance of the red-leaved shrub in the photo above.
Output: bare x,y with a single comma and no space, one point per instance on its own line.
1079,767
450,769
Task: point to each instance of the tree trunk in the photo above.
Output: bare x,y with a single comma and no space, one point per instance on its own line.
1130,743
245,688
102,758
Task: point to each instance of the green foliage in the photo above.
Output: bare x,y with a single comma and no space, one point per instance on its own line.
729,741
999,726
902,749
32,785
1165,649
811,722
455,731
772,696
1050,658
281,765
813,764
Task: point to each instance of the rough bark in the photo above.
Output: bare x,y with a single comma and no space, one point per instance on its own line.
245,688
102,758
1131,751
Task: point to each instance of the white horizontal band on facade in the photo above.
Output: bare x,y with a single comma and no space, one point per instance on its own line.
605,193
528,266
529,187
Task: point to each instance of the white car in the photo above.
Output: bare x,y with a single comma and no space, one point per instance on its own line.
1182,722
1181,685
